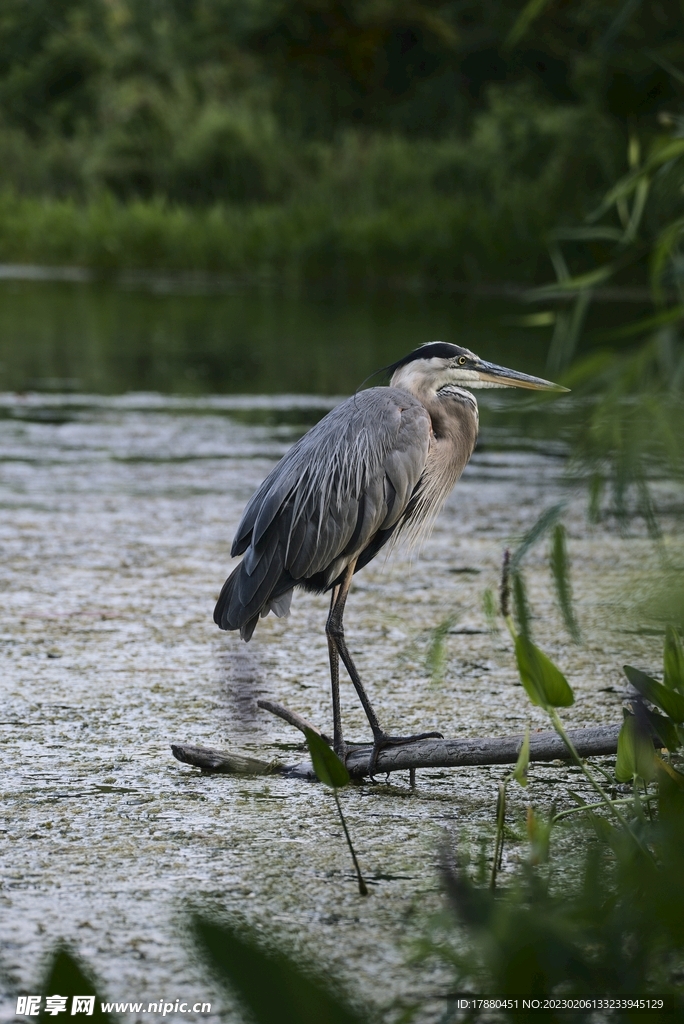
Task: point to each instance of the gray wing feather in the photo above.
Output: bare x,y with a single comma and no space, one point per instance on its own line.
261,509
349,477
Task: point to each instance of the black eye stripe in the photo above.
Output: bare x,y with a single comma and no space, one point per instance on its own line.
436,349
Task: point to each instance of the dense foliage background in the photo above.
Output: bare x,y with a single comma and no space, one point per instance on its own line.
438,139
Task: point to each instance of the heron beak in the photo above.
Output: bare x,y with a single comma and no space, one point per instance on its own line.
490,373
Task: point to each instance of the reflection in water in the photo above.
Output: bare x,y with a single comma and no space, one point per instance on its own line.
97,338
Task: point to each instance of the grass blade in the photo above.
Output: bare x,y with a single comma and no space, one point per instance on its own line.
546,520
363,889
523,762
530,12
436,654
561,577
522,607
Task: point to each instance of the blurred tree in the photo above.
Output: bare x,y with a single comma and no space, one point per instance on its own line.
354,62
420,67
525,106
51,63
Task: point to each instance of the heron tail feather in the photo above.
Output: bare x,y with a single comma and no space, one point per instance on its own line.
243,600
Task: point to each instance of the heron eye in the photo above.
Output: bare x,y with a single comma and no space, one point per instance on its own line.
462,361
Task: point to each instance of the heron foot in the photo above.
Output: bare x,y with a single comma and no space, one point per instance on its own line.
381,741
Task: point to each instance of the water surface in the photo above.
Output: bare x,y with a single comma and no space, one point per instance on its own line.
104,339
114,541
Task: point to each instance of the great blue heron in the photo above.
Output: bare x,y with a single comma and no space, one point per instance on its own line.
380,465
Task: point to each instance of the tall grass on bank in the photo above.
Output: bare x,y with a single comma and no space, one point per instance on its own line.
444,240
365,206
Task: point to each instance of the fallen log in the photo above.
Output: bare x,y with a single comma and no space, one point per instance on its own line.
432,753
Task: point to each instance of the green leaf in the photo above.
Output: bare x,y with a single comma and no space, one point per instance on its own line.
661,154
539,835
522,607
521,765
490,609
643,324
665,65
567,333
574,284
635,753
561,577
541,319
664,729
66,976
637,210
436,654
270,985
327,764
662,253
588,234
605,832
672,772
669,701
546,520
673,661
529,14
545,684
670,794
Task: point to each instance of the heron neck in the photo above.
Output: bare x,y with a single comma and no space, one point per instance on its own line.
453,410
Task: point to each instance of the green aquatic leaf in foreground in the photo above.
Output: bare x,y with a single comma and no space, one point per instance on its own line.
66,976
635,753
673,661
669,701
545,684
664,729
270,984
327,764
670,794
333,773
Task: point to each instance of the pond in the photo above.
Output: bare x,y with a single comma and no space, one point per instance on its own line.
118,516
57,336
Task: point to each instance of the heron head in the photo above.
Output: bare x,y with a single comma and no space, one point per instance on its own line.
439,363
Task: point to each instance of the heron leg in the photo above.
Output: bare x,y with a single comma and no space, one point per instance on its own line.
335,632
338,740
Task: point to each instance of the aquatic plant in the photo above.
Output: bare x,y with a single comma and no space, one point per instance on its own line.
619,930
632,424
333,773
271,985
